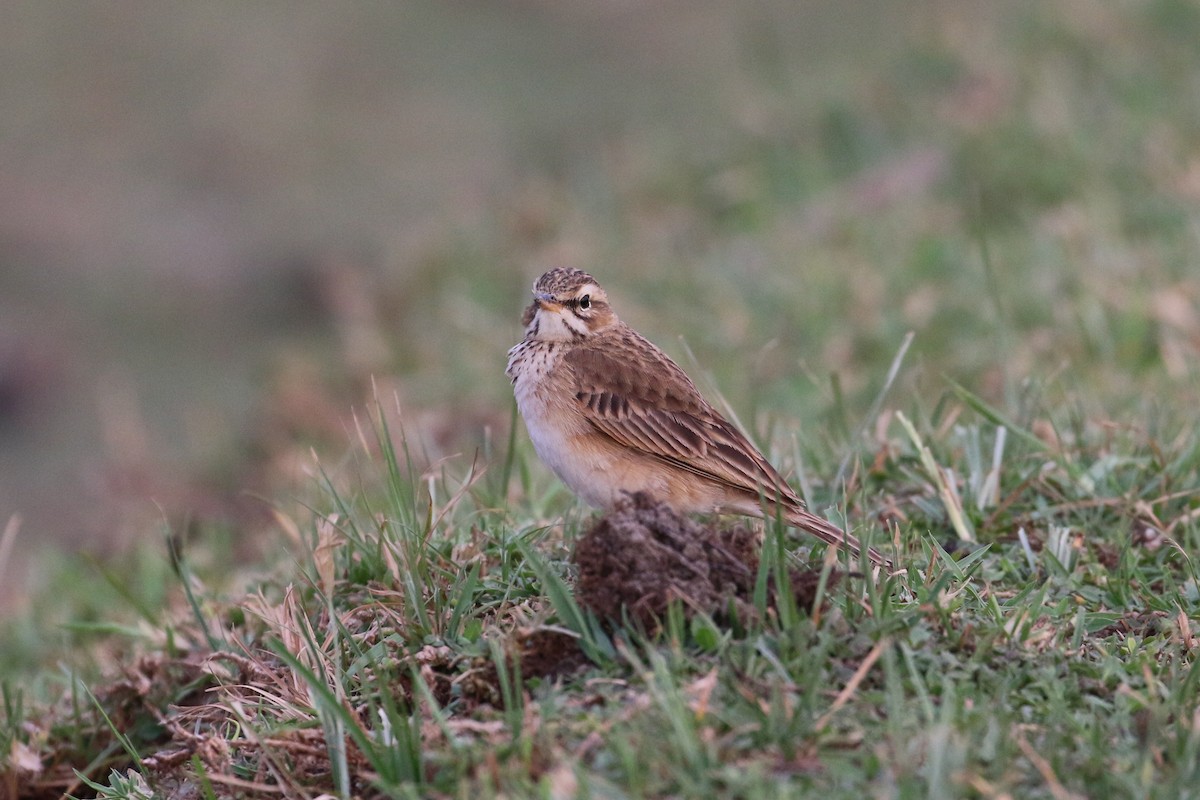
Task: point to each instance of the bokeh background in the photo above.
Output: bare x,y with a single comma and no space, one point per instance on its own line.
220,221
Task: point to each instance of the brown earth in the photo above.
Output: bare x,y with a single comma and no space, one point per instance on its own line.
636,560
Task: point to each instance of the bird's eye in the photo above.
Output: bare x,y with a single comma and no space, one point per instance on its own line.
585,302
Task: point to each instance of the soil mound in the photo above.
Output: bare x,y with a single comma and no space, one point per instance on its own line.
643,554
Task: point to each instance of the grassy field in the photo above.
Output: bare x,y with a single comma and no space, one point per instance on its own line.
1017,190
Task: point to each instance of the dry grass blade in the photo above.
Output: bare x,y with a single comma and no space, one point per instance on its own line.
939,476
1053,784
852,685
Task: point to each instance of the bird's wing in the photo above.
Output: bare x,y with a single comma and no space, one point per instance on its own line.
634,393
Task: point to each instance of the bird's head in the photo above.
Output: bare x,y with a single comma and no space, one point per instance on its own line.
567,304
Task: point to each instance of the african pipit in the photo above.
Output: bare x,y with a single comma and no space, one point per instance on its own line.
610,414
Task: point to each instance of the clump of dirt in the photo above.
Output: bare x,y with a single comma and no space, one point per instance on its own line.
550,654
643,555
538,654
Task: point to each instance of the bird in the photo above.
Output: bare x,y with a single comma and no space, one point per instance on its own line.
611,414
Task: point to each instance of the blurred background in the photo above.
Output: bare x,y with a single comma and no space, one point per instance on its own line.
219,222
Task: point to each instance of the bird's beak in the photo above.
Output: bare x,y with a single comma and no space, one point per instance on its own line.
545,300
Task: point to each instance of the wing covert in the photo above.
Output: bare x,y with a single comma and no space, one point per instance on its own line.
642,400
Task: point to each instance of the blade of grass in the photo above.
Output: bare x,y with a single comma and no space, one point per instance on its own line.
123,740
876,404
994,416
936,474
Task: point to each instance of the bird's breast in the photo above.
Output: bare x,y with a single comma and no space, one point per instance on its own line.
562,437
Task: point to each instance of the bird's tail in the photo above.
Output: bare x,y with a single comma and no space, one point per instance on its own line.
827,532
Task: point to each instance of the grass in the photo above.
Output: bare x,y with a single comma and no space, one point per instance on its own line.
1019,202
1052,657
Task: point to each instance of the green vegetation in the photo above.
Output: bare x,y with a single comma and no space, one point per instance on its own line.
1022,197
